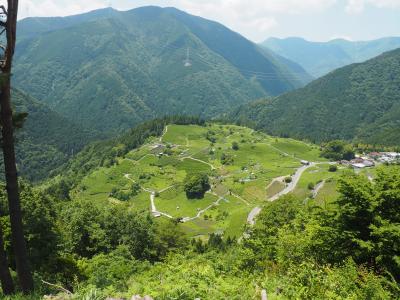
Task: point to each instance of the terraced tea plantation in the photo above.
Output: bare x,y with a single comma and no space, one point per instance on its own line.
245,169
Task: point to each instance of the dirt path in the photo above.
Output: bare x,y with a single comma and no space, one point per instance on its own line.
317,188
164,133
199,160
200,212
240,198
157,213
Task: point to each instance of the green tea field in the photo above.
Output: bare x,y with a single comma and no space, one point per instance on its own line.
245,168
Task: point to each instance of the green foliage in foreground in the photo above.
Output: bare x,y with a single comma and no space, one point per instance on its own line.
295,251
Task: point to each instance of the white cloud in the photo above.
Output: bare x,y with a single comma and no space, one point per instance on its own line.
358,6
45,8
253,18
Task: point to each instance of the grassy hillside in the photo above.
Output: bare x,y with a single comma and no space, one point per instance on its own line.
320,58
359,102
239,183
111,70
47,140
107,239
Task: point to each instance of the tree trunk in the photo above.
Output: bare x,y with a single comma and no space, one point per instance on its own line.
17,233
7,283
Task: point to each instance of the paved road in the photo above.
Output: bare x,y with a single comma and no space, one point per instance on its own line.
292,185
154,211
289,188
253,214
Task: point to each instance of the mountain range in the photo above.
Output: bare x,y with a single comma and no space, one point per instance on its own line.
320,58
110,70
359,102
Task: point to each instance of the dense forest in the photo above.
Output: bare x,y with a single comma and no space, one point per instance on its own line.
128,67
359,102
47,140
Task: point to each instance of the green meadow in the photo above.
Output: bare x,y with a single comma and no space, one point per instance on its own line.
241,177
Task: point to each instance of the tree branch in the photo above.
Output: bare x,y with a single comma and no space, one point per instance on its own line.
4,10
58,287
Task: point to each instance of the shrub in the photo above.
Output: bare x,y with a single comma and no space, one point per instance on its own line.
332,168
226,159
288,179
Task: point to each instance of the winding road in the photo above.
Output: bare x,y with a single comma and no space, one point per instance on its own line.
289,188
254,212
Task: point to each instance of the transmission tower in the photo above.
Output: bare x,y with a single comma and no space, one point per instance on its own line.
187,61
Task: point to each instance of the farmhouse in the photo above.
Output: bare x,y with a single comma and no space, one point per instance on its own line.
362,163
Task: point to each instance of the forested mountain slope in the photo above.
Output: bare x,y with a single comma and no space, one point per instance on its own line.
319,58
47,139
360,102
111,70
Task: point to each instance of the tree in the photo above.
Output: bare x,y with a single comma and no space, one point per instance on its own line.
235,146
226,159
5,276
288,179
337,150
332,168
196,185
9,27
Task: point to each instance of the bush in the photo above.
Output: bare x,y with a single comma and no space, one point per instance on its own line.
332,168
288,179
311,186
226,159
235,146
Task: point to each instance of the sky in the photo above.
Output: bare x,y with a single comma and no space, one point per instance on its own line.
315,20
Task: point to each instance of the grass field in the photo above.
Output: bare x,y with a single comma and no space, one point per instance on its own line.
239,181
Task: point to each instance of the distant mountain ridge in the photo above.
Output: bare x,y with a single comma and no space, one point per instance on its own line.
360,102
320,58
112,70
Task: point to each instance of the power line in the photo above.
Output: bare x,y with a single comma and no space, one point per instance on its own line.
259,74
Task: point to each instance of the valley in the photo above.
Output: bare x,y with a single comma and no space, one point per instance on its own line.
249,177
155,153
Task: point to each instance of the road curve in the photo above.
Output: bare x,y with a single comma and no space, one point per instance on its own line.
289,188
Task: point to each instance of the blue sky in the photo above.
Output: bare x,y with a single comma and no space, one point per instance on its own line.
316,20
